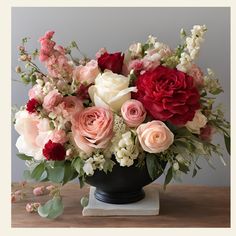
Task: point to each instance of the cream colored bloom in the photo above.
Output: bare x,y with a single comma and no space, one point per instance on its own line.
110,91
198,122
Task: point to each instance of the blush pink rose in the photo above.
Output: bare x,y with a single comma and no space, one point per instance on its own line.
197,75
36,93
133,112
155,136
52,99
58,136
86,73
92,128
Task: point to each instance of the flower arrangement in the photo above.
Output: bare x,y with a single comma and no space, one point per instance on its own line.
149,104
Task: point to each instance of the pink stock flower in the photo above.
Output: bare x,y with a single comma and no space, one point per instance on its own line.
197,75
92,128
52,99
133,112
86,73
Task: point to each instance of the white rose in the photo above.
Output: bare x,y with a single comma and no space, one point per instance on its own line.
198,122
110,90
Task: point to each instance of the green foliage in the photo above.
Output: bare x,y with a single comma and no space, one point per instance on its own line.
52,208
38,171
84,201
153,165
24,157
227,143
168,177
69,172
56,174
108,165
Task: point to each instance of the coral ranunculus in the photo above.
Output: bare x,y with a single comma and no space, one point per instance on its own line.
168,95
111,61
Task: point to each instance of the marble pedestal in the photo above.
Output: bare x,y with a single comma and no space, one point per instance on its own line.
147,206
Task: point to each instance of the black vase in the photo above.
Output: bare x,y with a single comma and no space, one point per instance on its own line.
122,185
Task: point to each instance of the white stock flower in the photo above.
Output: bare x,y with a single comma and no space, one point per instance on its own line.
135,50
126,150
185,63
110,90
198,122
88,167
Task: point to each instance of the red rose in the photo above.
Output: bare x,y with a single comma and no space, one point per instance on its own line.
168,95
32,105
54,151
113,62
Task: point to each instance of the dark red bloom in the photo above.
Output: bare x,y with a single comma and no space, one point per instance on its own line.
32,105
54,151
207,132
168,95
82,92
111,61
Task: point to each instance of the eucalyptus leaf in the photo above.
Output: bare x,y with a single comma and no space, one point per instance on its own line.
194,172
38,171
56,174
52,208
69,172
24,157
78,164
27,175
169,176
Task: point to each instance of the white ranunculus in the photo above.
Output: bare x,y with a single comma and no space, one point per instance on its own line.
198,122
111,90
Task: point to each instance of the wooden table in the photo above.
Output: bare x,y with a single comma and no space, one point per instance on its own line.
180,206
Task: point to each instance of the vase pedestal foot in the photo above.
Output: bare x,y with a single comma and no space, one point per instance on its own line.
148,205
119,198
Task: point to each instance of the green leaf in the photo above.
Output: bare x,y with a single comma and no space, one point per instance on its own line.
108,165
227,143
38,171
69,172
84,201
82,181
56,174
78,164
183,168
153,166
169,176
52,208
24,157
194,172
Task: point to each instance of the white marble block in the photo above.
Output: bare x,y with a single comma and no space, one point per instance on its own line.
147,206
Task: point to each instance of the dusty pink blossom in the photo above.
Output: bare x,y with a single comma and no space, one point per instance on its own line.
207,132
52,99
92,128
197,75
58,136
133,112
38,191
100,52
86,74
32,207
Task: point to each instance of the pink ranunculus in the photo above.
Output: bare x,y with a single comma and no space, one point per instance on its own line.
197,75
133,112
58,136
52,99
155,136
36,93
92,128
86,73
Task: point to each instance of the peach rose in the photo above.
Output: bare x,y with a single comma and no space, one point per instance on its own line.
133,112
52,99
92,128
86,73
155,136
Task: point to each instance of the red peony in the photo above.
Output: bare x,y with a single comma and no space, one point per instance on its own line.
113,62
32,105
168,95
54,151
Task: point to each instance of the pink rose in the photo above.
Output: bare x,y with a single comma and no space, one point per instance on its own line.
52,99
92,128
133,112
86,73
155,136
197,75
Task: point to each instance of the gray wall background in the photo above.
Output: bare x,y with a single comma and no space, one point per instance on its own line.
116,29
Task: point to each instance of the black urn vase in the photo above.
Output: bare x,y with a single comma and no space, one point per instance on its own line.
122,185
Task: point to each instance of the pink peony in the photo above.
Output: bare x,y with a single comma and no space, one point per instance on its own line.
92,128
133,112
197,75
52,99
86,73
155,136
